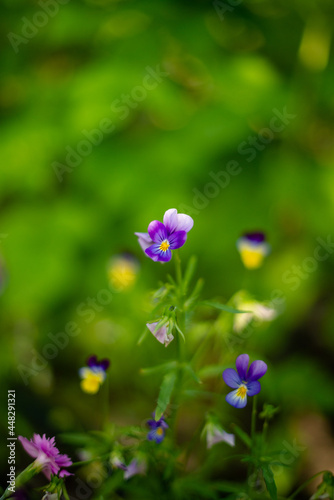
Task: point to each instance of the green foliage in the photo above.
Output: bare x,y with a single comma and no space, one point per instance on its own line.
165,393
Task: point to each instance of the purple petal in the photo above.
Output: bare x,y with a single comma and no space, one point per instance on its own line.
92,361
253,388
63,461
256,370
104,364
160,334
255,237
64,473
177,222
155,436
157,231
29,447
177,239
134,467
184,223
236,401
242,365
156,254
171,220
144,240
231,378
218,436
152,424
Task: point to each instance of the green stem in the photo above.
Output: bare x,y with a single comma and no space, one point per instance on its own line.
306,483
264,432
253,425
105,403
178,269
253,429
22,478
65,492
86,462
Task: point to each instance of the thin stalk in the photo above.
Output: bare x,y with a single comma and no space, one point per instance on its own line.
65,492
253,425
91,460
298,490
178,270
105,403
22,478
264,432
253,429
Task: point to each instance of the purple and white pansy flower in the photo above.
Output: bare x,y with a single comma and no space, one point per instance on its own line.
244,381
162,238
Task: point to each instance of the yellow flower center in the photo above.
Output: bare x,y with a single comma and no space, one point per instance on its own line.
160,431
242,391
164,246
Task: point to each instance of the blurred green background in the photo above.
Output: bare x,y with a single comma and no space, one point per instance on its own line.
226,70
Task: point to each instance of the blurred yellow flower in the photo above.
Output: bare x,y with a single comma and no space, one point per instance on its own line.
253,248
122,271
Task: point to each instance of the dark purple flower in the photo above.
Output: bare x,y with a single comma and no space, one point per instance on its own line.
245,383
93,362
157,432
48,458
162,238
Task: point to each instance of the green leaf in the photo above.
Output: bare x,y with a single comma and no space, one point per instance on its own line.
84,439
188,368
189,273
269,479
211,371
143,336
161,323
194,296
164,367
180,331
242,435
222,307
228,487
165,393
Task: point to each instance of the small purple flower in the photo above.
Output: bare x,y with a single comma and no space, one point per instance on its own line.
157,432
117,462
164,237
253,248
48,458
245,383
161,334
136,466
215,434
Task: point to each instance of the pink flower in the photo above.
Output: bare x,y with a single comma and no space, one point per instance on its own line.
161,334
48,458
